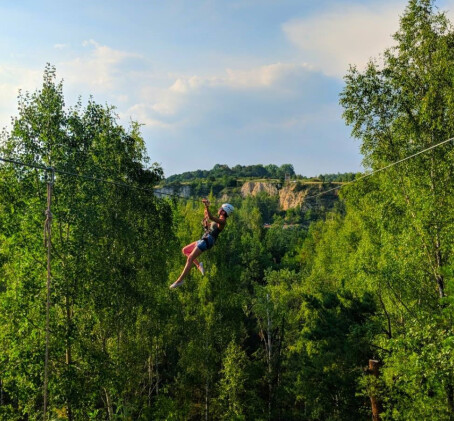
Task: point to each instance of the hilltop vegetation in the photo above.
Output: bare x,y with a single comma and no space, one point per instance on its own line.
223,182
238,171
229,176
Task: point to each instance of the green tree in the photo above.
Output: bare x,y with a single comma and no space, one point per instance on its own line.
398,107
233,383
402,106
105,280
329,354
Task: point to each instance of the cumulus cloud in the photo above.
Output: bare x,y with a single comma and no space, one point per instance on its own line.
345,35
266,76
142,114
278,80
99,67
13,79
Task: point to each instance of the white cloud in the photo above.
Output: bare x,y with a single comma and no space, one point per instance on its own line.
141,113
264,76
13,79
275,77
183,85
267,76
345,35
98,68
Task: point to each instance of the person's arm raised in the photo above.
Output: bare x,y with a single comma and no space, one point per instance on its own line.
220,220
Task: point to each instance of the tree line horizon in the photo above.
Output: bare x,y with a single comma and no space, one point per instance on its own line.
270,171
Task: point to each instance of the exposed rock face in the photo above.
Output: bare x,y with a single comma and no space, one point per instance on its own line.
183,191
251,188
295,194
290,196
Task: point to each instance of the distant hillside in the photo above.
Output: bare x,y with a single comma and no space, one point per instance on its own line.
238,171
295,197
297,201
229,176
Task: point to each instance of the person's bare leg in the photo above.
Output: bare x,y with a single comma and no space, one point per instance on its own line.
187,250
195,253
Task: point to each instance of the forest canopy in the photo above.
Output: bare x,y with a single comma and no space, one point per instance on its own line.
220,171
271,171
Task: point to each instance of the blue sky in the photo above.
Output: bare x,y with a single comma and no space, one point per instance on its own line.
230,82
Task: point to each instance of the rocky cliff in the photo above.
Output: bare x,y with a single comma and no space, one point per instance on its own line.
291,195
252,188
181,191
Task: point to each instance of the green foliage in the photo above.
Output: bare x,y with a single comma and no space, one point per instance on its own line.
229,175
328,355
286,318
102,300
338,177
418,375
396,108
232,386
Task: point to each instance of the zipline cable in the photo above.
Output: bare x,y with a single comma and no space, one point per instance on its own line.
88,177
23,164
103,180
380,169
130,186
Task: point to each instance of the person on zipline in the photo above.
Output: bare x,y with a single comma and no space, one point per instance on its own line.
195,249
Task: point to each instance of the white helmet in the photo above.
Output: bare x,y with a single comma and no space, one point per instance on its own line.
228,208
